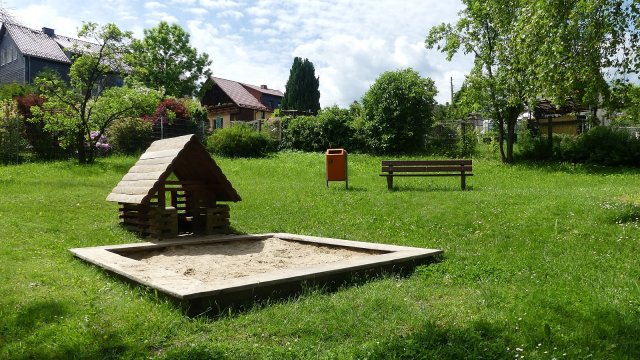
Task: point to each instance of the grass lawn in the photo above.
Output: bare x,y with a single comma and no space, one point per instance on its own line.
540,262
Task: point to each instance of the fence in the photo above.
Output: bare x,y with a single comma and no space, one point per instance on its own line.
633,130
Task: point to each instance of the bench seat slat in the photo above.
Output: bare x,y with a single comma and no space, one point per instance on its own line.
426,168
458,174
425,162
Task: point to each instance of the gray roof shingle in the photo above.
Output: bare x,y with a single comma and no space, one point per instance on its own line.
38,44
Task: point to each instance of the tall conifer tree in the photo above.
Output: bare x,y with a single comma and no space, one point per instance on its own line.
301,92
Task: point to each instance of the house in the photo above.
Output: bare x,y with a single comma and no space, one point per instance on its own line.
228,101
548,118
25,53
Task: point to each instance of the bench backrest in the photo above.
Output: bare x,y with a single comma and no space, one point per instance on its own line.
426,165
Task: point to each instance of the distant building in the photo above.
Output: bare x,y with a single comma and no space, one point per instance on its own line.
228,101
25,53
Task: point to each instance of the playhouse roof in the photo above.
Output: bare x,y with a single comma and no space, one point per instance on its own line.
183,156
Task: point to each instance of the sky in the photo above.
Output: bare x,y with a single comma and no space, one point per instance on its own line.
350,42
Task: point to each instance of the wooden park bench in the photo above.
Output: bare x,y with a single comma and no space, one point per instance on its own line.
392,168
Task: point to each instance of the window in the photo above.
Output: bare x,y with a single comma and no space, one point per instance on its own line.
218,122
15,53
2,57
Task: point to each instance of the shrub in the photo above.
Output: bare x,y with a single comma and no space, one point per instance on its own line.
607,146
11,129
44,144
398,111
329,129
600,146
176,117
240,141
130,136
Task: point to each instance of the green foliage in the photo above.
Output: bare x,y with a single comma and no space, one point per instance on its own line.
164,59
329,129
240,141
301,91
398,111
625,104
130,135
12,90
449,140
574,48
600,146
87,104
11,131
497,84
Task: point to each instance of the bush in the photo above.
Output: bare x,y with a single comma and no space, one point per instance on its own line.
240,141
448,140
607,146
331,128
11,130
45,144
398,111
130,136
599,146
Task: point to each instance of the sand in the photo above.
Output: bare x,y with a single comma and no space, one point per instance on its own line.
236,259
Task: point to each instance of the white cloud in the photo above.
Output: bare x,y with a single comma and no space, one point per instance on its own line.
197,11
219,4
154,5
233,14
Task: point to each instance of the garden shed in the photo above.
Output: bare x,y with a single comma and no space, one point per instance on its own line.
175,187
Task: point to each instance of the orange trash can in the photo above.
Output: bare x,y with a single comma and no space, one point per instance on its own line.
336,160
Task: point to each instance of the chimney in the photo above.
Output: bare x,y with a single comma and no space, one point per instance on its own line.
263,87
49,32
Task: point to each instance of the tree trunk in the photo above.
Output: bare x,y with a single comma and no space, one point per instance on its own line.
511,131
82,153
501,139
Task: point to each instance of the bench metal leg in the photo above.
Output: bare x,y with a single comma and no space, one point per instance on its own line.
463,182
389,182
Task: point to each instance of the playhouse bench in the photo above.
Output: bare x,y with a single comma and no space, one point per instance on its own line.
393,168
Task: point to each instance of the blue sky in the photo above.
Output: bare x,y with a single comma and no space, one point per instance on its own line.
349,42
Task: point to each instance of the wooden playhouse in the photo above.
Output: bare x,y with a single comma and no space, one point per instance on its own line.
175,187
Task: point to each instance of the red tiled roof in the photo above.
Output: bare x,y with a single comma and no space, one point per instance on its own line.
238,94
265,91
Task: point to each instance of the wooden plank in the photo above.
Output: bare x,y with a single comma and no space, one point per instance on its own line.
396,169
160,154
130,190
142,176
426,162
125,198
157,161
149,168
426,174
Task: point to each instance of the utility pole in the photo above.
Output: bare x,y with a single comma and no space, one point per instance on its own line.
451,90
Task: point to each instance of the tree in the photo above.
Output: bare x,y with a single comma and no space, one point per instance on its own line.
398,111
577,48
164,59
87,104
540,49
302,89
485,28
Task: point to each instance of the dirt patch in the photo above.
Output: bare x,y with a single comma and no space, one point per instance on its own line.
235,259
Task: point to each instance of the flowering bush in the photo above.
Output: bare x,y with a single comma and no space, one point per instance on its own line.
101,144
168,110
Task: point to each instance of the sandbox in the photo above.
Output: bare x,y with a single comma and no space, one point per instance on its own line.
206,274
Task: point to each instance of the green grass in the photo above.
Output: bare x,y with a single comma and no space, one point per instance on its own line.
540,262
